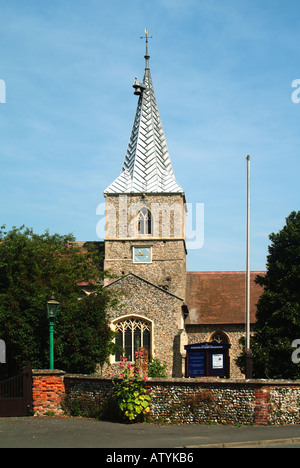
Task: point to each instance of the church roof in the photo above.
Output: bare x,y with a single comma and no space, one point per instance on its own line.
219,297
147,165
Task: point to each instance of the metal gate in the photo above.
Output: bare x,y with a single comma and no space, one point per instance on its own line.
16,394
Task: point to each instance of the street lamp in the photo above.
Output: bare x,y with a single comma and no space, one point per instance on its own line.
52,309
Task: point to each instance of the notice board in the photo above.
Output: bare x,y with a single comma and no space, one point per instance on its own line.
207,360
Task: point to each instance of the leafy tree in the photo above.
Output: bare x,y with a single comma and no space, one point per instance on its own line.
32,267
278,309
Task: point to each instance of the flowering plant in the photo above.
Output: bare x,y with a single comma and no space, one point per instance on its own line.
130,392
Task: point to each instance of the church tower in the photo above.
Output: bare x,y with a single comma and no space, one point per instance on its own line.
145,206
145,242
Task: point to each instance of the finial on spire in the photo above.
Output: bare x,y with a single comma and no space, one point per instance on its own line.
147,56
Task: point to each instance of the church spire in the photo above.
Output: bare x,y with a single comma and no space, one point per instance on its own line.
147,165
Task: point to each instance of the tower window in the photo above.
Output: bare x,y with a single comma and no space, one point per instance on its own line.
144,221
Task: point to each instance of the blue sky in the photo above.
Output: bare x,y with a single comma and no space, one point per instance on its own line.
222,73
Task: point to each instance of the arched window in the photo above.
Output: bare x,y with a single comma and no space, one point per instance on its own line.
144,221
219,337
132,333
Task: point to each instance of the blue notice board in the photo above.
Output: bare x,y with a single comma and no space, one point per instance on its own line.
196,364
207,359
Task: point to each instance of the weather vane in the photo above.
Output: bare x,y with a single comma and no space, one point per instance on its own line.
146,35
147,56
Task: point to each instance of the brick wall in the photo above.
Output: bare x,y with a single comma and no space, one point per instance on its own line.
48,390
262,406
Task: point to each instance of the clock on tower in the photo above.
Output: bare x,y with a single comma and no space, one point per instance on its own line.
142,254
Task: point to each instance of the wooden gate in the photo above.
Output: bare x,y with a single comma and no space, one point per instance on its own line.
16,394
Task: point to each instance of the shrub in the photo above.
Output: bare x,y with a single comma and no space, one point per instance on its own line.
157,369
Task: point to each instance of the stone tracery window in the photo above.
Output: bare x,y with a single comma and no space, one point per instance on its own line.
132,333
144,222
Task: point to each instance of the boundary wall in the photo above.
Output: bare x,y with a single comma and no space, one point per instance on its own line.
206,401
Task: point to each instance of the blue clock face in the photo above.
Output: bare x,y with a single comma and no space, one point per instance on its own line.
142,255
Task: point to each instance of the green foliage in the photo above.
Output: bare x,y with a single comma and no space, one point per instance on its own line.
278,309
32,267
130,392
156,368
86,339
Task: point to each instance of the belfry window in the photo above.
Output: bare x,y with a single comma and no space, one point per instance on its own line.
144,221
132,334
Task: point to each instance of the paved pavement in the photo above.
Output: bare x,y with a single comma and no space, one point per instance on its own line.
63,432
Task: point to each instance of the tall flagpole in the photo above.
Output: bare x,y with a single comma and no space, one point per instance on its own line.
248,348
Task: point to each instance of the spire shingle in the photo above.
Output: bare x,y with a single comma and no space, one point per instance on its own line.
147,165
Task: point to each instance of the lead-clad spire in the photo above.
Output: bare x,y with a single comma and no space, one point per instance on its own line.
147,165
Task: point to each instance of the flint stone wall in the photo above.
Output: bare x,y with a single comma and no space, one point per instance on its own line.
211,401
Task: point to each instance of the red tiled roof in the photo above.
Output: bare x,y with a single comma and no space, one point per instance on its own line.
219,297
